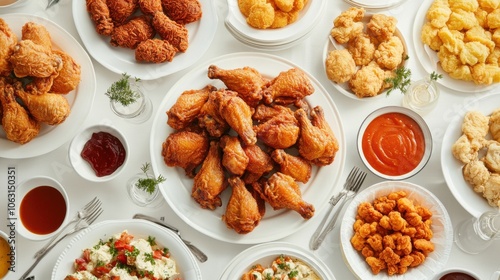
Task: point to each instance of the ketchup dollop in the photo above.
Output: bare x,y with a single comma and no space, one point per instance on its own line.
104,152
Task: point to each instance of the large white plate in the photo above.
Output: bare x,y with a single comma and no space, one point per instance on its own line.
185,261
177,188
426,59
266,253
122,60
375,5
80,99
471,201
441,227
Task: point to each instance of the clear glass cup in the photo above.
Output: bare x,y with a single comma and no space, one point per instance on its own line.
137,112
476,234
141,197
422,96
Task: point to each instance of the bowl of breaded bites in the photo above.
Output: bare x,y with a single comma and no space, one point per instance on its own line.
396,229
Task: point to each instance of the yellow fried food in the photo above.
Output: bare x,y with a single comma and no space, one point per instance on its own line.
492,190
361,49
389,54
495,125
476,174
367,81
465,5
492,157
348,25
284,5
475,125
473,53
429,36
464,149
381,27
340,66
439,13
261,15
270,13
246,5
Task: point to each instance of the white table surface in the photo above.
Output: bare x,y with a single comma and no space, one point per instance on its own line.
308,55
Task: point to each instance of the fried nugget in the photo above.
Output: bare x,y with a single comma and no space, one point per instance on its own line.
429,36
367,81
492,157
130,34
439,13
361,49
381,27
340,66
475,125
348,25
465,5
485,74
246,5
284,5
464,150
261,15
473,53
461,19
389,54
424,245
375,264
492,190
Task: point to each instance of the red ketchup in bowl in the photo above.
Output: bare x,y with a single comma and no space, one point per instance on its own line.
457,276
104,152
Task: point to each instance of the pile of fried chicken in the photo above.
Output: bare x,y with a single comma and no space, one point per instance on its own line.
257,135
127,28
34,78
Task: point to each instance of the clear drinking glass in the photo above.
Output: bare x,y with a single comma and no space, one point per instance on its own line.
476,234
421,96
141,197
137,112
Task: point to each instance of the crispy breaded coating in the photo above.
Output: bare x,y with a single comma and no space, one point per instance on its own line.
121,10
476,174
464,149
261,15
182,11
130,34
461,19
362,49
150,7
381,27
99,14
389,54
69,75
473,53
495,124
492,190
171,31
340,66
367,81
492,157
348,25
439,13
8,40
246,5
155,50
475,125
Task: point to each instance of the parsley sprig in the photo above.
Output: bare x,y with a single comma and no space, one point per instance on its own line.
400,81
435,76
148,184
122,92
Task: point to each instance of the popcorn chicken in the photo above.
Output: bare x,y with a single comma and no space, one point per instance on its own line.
493,19
492,190
488,5
424,245
492,157
375,264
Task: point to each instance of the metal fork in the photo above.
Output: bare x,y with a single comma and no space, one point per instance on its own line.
351,186
84,212
82,224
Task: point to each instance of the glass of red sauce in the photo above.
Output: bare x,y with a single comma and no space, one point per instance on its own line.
99,153
394,142
456,274
43,207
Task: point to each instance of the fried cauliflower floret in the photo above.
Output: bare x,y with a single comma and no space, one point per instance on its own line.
493,19
367,81
439,13
473,53
340,66
461,19
488,5
452,40
475,125
381,27
492,157
463,149
466,5
261,15
389,54
494,125
361,49
429,36
476,174
478,34
492,190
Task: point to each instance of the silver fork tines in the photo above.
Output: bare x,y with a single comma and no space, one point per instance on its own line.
351,187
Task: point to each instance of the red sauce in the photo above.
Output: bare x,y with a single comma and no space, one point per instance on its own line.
42,210
104,152
457,276
393,144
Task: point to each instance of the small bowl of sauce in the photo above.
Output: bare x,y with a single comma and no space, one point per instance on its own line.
43,209
98,153
394,143
456,274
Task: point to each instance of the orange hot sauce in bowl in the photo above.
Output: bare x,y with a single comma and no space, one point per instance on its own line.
393,144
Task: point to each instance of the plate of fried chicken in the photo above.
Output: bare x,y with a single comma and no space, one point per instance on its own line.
146,39
42,71
251,146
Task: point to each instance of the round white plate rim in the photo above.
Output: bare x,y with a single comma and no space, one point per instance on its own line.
471,201
121,60
390,4
386,187
63,132
425,61
272,249
108,228
189,210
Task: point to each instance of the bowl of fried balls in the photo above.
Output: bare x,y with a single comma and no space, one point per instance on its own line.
396,229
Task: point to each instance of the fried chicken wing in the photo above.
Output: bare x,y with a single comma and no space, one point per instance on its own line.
121,10
69,75
264,112
259,163
234,158
187,107
242,211
317,143
340,66
182,11
280,132
150,7
16,122
37,33
288,87
155,50
100,15
171,31
30,59
246,81
131,33
186,149
210,118
281,191
8,41
297,167
209,182
368,81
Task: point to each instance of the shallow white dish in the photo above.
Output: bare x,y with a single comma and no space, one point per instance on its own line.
375,5
427,59
471,201
80,99
177,188
81,166
266,253
12,3
122,60
185,261
441,226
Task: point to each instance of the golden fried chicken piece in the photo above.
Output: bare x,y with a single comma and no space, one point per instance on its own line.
494,125
281,191
429,36
209,182
424,245
187,107
264,112
492,157
465,149
171,31
246,81
288,87
245,5
438,14
261,15
8,41
375,264
259,163
210,118
491,190
30,59
475,125
463,20
150,7
473,53
297,167
242,211
182,11
340,66
368,213
280,132
131,33
186,149
155,50
316,143
236,112
367,81
381,27
49,108
361,49
485,74
389,53
121,10
99,13
36,33
348,25
69,75
16,122
234,158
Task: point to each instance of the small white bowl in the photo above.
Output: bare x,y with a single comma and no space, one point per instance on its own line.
11,3
23,189
81,166
456,270
413,115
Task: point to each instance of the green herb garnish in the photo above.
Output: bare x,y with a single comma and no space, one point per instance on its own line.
121,91
435,76
401,80
148,184
293,273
